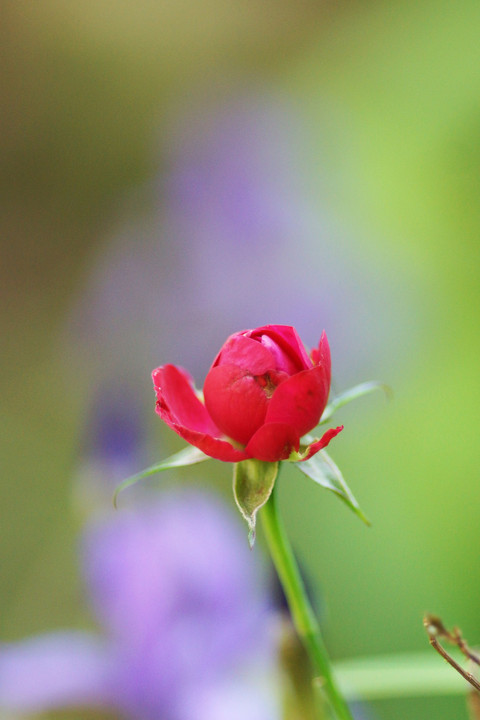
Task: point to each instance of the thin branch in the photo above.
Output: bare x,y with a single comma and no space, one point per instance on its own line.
435,629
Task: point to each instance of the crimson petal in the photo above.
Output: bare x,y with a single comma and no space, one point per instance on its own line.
300,400
177,401
289,342
247,354
181,409
321,356
322,443
236,401
273,442
214,447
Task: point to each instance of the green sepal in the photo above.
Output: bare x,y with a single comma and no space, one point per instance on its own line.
188,456
352,394
253,482
323,471
297,456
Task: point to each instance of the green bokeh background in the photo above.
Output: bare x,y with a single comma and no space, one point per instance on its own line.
391,92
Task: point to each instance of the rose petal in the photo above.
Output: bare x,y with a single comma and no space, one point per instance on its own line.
273,441
177,402
230,337
214,447
300,400
322,443
181,409
236,401
247,354
321,356
285,343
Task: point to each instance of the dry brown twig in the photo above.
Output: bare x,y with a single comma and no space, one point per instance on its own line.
435,630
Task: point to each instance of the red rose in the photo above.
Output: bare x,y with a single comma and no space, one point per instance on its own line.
262,394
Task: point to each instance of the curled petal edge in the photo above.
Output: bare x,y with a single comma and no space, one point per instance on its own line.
178,403
321,357
315,446
213,447
180,408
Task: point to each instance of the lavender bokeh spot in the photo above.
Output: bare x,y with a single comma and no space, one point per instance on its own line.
175,588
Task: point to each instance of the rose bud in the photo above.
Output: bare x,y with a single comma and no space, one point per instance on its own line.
262,394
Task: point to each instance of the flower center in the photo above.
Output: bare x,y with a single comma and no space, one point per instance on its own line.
270,381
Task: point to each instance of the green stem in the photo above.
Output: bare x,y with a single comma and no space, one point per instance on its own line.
302,613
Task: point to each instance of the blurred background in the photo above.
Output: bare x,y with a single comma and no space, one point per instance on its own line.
172,172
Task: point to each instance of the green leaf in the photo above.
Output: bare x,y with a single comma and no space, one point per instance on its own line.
352,394
188,456
323,471
253,482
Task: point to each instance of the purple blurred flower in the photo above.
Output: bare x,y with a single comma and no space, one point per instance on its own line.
184,637
113,445
115,430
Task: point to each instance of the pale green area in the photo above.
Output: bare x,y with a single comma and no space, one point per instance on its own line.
396,676
389,93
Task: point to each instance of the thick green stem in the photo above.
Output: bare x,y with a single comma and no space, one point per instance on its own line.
302,614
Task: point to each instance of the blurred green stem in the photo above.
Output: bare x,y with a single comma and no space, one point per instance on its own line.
302,613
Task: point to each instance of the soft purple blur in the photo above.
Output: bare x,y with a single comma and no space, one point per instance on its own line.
174,587
115,429
234,239
112,446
